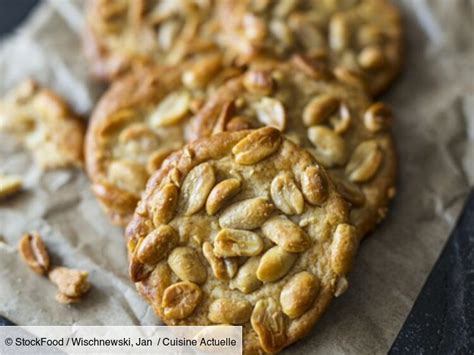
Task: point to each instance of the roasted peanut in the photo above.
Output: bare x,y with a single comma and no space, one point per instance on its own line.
329,147
234,242
222,268
220,194
202,71
286,234
343,248
163,204
246,280
270,324
171,110
229,311
364,162
314,185
34,253
285,194
275,264
318,110
257,146
186,264
377,117
299,294
339,32
196,187
371,58
271,113
180,299
157,244
246,214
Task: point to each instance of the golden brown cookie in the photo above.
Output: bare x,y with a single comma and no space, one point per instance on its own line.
123,34
242,228
359,39
9,185
45,124
141,119
344,130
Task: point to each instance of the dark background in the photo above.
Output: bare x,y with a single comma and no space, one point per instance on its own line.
442,318
12,12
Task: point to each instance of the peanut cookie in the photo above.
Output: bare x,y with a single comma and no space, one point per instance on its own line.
242,228
360,40
141,119
123,34
9,185
45,124
341,127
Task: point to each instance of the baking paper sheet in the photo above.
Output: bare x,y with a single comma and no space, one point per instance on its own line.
433,101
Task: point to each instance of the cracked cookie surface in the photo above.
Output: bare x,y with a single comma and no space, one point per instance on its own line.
345,131
45,124
242,228
359,40
123,34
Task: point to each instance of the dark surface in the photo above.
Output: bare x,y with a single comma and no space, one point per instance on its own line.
12,12
442,318
4,322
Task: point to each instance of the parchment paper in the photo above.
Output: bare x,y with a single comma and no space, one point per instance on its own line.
433,101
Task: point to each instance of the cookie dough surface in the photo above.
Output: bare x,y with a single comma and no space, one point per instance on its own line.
123,34
242,228
359,40
343,129
45,124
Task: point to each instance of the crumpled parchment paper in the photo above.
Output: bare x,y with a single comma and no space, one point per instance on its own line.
433,101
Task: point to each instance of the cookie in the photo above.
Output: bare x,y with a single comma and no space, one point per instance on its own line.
359,40
123,34
345,131
142,118
45,124
9,185
242,228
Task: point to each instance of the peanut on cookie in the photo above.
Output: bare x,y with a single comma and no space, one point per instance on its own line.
340,126
358,40
242,228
